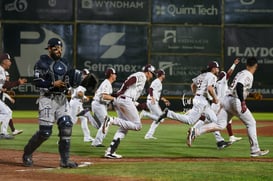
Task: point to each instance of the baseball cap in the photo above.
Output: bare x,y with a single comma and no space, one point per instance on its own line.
213,64
4,56
109,71
149,68
54,42
160,72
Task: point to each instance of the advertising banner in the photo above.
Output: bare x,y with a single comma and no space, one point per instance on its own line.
175,39
187,11
49,10
180,70
248,11
113,10
26,42
248,42
123,47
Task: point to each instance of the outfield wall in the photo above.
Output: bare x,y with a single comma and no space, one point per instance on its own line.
179,36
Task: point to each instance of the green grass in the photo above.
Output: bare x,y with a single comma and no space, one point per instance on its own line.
170,144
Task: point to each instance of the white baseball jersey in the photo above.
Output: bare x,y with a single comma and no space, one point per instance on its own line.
202,82
3,77
244,77
135,90
6,113
156,85
221,87
104,88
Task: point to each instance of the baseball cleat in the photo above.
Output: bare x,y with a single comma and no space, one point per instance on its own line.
69,164
163,115
106,124
112,155
259,153
222,144
27,160
6,136
16,132
90,139
191,136
233,139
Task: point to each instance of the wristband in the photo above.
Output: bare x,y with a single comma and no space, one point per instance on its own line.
233,67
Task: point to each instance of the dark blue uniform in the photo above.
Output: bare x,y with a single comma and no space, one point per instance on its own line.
53,107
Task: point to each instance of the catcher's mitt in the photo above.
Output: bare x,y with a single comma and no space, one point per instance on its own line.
257,96
11,93
90,82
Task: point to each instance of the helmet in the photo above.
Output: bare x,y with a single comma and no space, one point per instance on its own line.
73,78
85,72
149,68
213,64
160,72
4,56
108,72
54,42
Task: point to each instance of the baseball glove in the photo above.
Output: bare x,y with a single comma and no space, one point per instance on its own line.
11,93
257,96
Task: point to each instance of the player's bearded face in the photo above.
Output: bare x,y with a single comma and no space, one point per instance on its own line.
56,52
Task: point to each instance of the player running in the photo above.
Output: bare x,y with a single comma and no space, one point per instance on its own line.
153,98
128,117
234,104
203,89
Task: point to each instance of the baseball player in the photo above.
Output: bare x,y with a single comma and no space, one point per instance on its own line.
221,91
76,103
153,98
10,97
203,89
128,117
101,100
51,77
6,113
234,104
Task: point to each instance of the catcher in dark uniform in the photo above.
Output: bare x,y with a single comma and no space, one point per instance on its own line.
53,76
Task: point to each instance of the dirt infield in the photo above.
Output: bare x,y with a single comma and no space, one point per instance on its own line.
11,167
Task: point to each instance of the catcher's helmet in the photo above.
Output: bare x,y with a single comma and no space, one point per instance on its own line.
73,78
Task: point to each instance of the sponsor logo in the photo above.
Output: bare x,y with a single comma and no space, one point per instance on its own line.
186,42
196,9
17,5
100,67
111,39
175,69
89,4
33,40
250,51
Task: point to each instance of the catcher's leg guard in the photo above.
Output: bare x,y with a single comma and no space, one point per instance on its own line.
36,140
65,130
